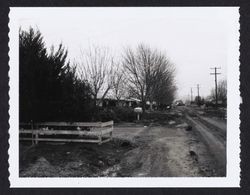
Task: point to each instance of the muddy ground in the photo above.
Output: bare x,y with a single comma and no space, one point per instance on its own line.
71,159
166,146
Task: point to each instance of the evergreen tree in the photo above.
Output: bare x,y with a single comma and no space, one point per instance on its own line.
49,89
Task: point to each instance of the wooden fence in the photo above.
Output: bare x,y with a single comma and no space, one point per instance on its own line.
90,132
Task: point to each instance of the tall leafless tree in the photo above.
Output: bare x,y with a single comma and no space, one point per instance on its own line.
149,73
118,83
221,92
97,68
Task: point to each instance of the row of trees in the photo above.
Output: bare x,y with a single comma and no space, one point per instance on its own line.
52,88
143,73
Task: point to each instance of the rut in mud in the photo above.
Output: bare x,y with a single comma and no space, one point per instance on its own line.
213,134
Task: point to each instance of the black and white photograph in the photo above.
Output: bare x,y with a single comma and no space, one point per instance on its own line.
124,97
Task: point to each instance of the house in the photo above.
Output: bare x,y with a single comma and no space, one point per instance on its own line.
112,102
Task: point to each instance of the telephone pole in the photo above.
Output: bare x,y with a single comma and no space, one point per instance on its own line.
215,79
191,95
198,91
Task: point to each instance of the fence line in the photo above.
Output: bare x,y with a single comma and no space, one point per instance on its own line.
73,124
98,130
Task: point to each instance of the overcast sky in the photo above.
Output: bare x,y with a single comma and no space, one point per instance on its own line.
194,39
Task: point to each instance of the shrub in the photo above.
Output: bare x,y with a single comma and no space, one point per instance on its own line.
125,114
105,115
117,114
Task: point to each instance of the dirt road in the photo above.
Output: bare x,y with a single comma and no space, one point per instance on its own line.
161,152
212,132
172,151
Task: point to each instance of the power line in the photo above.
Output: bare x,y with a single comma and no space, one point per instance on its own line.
215,79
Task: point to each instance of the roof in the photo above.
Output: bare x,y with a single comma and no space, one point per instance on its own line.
122,99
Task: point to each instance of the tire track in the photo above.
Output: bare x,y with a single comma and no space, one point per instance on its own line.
213,138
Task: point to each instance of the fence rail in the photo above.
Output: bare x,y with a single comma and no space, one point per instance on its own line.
99,132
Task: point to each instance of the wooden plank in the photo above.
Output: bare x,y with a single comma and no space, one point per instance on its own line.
67,132
106,131
77,124
24,124
28,131
111,135
109,123
106,140
60,132
99,139
74,124
36,138
64,140
33,139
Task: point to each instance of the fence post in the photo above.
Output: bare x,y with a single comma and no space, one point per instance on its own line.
32,135
100,139
111,133
36,139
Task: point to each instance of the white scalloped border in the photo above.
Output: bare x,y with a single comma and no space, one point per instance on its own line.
233,140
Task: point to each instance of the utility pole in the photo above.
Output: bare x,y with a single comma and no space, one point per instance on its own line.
215,79
191,94
198,91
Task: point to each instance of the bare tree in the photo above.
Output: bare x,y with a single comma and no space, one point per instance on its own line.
162,84
118,83
149,74
135,75
221,92
96,67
